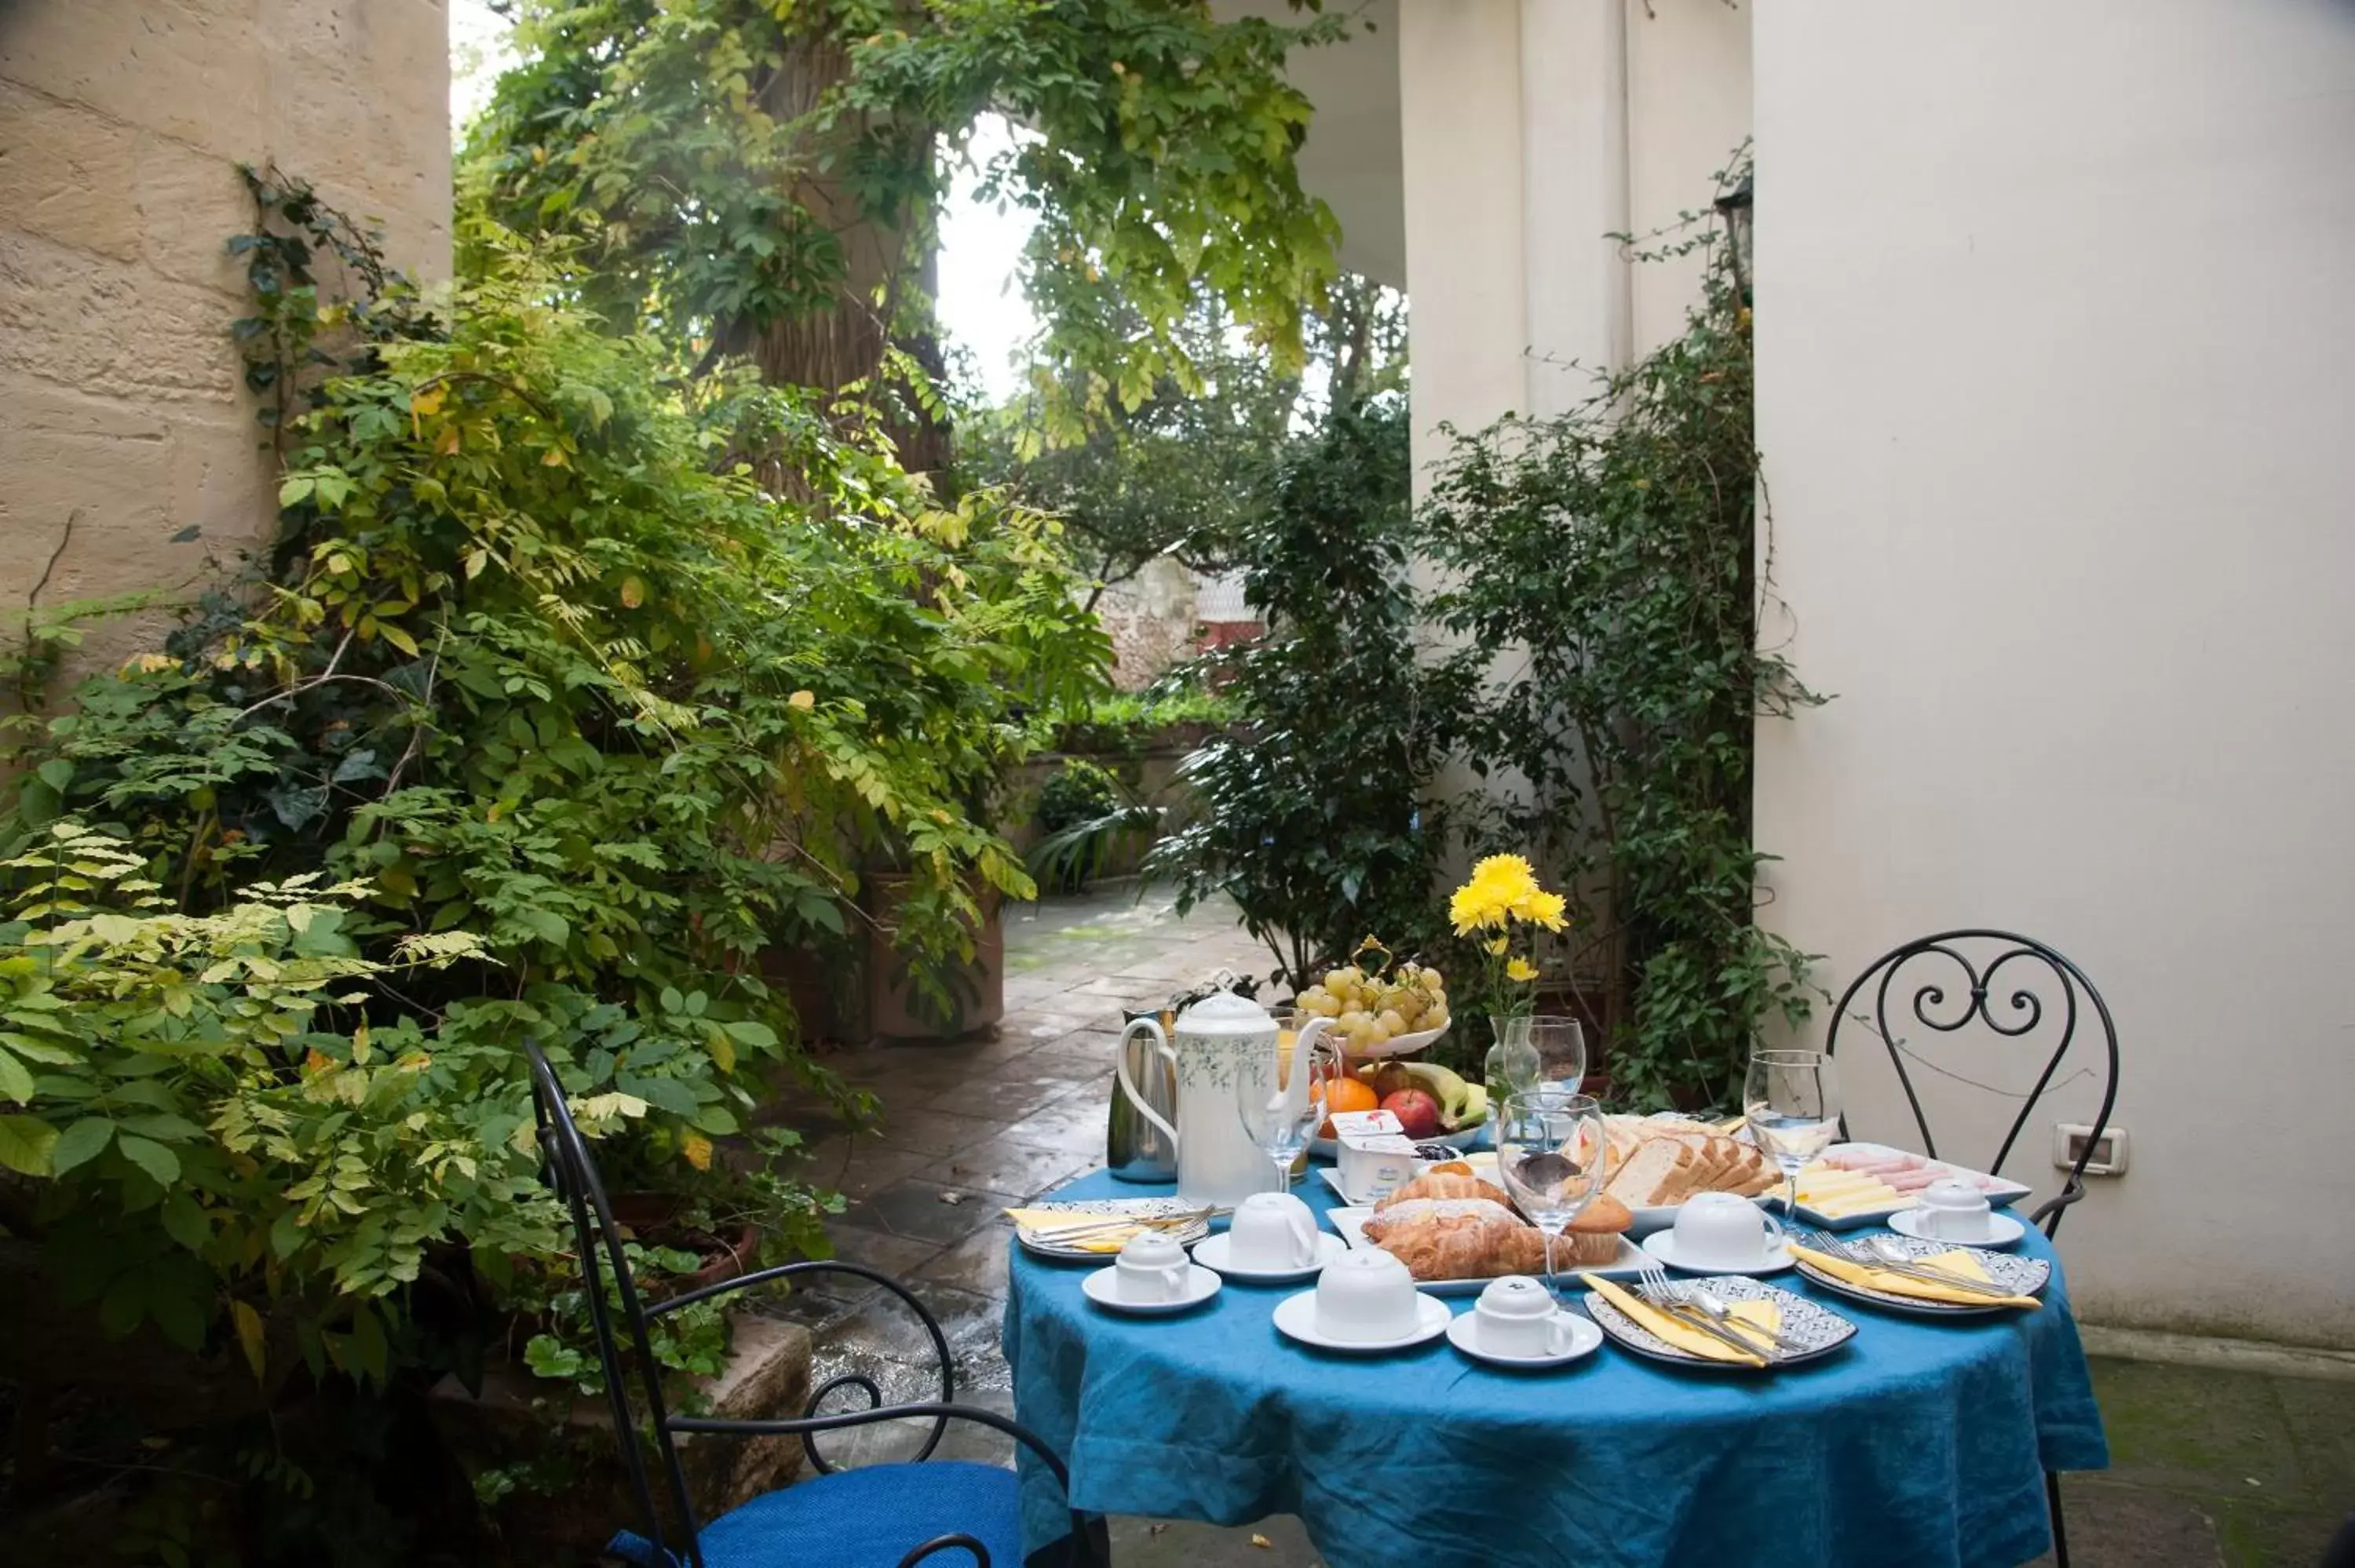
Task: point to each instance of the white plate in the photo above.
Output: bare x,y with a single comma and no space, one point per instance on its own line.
2003,1231
1627,1265
1585,1338
2025,1276
1814,1330
1662,1244
1396,1045
1140,1208
1212,1253
1295,1319
1102,1288
2002,1191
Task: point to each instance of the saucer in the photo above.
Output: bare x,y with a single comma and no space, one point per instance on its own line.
1200,1286
1295,1319
1662,1244
1212,1253
2003,1230
1464,1333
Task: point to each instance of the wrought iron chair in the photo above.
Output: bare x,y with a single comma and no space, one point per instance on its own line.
1967,962
941,1513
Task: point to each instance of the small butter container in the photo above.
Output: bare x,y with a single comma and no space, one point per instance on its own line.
1375,1157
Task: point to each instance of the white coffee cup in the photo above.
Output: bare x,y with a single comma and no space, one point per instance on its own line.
1718,1230
1272,1232
1366,1297
1516,1316
1956,1212
1151,1267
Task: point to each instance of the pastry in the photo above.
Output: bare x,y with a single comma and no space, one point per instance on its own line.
1457,1238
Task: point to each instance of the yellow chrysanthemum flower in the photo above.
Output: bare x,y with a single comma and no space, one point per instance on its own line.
1496,948
1520,969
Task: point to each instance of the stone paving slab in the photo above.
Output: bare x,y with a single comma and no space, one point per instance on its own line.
2215,1467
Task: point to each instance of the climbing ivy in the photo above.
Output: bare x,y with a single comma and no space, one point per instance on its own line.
1614,550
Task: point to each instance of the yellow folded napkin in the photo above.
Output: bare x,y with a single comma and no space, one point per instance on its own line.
1111,1240
1871,1278
1684,1337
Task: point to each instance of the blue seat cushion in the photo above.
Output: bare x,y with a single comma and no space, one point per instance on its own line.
867,1518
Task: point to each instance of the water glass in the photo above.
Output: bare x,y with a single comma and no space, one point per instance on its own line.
1560,1045
1553,1155
1280,1123
1791,1101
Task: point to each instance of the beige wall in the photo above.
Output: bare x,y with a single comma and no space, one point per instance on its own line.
2055,321
121,403
1532,130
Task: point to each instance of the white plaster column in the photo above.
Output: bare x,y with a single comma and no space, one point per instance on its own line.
1461,146
1573,71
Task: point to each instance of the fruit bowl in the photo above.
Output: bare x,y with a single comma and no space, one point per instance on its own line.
1396,1045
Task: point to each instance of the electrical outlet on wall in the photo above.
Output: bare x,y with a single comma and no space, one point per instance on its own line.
2109,1158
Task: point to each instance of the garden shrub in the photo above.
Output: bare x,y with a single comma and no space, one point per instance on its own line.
535,664
1316,819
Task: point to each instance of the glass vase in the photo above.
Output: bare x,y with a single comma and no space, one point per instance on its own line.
1512,1064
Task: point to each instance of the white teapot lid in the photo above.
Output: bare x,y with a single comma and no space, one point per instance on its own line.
1225,1012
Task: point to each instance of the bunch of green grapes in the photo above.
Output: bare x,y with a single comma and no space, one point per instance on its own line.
1369,1008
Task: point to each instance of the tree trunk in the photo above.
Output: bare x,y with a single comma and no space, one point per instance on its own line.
842,343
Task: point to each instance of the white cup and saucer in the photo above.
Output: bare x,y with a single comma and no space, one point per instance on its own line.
1150,1276
1273,1240
1365,1302
1516,1323
1717,1232
1959,1213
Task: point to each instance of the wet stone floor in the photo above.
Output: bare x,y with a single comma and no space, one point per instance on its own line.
2210,1467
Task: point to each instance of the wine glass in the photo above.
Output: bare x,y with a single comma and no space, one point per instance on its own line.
1280,1124
1560,1045
1553,1154
1791,1101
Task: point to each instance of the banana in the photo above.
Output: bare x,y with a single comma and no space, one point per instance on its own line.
1476,1108
1448,1088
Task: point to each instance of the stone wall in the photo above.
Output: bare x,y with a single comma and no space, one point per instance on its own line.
123,414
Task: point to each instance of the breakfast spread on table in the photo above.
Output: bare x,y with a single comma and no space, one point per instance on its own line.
1236,1093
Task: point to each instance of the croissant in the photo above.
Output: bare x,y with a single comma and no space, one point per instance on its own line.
1457,1238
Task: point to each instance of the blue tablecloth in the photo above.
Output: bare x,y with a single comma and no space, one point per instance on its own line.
1922,1443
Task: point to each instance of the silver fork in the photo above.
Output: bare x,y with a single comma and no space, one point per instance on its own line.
1097,1227
1656,1287
1886,1251
1824,1242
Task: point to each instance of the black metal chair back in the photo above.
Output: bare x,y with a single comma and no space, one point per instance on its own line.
2013,986
573,1173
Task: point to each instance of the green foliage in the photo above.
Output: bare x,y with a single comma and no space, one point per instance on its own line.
721,153
1077,790
1316,819
609,687
1183,473
213,1120
1122,724
1615,549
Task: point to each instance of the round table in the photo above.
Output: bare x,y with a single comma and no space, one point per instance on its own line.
1921,1443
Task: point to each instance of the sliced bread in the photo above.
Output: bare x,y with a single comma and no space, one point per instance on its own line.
1660,1171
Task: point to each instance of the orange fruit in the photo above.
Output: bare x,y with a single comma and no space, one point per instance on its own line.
1340,1095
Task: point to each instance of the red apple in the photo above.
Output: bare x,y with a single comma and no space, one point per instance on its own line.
1417,1112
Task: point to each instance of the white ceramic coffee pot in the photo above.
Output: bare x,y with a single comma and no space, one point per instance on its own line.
1219,1045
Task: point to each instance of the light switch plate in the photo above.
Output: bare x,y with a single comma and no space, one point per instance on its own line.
2109,1153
